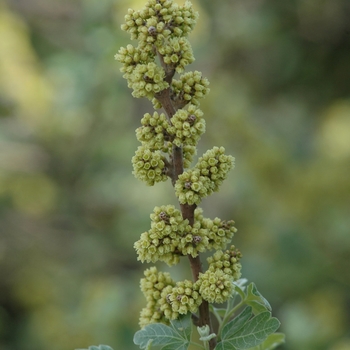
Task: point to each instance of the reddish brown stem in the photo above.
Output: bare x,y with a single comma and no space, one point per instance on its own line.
164,98
178,164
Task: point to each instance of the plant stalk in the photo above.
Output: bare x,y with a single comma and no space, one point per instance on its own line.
186,210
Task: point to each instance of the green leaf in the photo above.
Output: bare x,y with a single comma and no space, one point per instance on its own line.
100,347
256,300
272,341
245,333
174,337
240,291
237,323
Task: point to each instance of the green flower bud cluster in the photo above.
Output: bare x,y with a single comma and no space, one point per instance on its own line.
158,21
166,300
146,80
187,126
171,236
227,261
161,26
161,242
130,56
149,166
153,132
191,187
215,234
184,297
196,240
205,178
215,287
155,287
177,54
220,232
191,87
215,165
189,152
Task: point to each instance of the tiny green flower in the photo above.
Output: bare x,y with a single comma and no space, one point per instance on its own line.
153,132
215,287
227,261
149,166
187,126
184,297
191,187
191,87
155,286
219,232
163,241
146,80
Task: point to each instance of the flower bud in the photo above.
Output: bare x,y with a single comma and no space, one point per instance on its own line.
152,30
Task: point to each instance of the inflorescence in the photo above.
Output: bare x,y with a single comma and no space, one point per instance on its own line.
161,29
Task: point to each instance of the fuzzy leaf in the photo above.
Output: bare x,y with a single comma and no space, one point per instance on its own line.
100,347
174,337
256,300
245,333
272,341
237,323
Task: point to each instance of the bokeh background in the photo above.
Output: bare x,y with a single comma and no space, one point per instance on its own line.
70,208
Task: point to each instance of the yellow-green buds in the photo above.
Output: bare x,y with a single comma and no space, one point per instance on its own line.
186,18
205,178
161,242
149,166
171,236
195,240
153,132
184,297
177,53
130,56
154,282
215,165
191,87
156,286
158,23
215,287
220,232
146,80
187,126
188,152
227,261
159,20
191,187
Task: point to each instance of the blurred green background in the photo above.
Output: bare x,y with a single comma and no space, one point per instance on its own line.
70,208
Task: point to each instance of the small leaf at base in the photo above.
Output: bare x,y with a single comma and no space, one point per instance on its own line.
177,336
